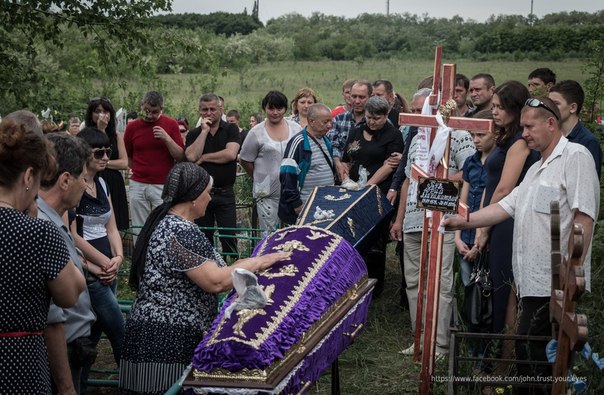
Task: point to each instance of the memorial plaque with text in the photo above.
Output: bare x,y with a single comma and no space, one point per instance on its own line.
438,194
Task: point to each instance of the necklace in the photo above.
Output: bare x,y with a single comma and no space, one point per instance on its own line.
90,188
7,203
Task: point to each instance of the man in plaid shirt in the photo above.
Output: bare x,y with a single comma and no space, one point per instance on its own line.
342,123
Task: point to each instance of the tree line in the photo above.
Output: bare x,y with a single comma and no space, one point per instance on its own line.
82,49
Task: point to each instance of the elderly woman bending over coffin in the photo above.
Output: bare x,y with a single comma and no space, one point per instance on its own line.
177,274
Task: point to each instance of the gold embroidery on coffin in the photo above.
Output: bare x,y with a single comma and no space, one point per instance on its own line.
314,235
290,301
291,245
286,271
245,315
379,201
283,234
350,223
337,199
258,375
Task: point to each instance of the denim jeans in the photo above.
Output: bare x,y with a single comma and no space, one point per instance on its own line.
109,320
465,270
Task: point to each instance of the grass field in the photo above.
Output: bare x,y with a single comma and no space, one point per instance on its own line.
372,365
244,90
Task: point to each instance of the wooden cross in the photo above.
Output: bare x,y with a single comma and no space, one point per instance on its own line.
568,284
433,265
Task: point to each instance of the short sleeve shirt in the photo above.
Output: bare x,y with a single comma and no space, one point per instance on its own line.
266,154
223,173
567,176
32,252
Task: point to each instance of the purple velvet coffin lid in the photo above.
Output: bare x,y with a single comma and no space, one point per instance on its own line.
322,269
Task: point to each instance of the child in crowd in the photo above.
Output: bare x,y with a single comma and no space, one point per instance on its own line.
474,180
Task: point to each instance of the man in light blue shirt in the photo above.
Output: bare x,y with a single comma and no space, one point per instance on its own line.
66,326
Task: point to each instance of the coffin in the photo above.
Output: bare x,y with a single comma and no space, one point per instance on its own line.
318,303
357,214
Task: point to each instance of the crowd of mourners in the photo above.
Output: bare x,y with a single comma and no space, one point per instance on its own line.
173,182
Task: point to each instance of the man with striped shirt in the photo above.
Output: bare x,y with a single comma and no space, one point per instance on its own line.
307,163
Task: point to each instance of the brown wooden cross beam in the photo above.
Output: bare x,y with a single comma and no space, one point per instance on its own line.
568,284
431,259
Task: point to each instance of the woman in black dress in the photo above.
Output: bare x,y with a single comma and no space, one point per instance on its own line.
34,263
101,115
377,145
506,166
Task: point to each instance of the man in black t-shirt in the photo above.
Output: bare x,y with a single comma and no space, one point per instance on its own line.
214,146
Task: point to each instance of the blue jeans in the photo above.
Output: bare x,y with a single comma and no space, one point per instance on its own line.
109,319
465,270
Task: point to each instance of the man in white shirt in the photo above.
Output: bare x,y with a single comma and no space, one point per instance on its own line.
566,174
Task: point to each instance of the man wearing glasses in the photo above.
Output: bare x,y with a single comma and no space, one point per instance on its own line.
566,174
153,144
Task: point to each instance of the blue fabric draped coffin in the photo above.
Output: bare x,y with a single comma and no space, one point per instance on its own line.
356,214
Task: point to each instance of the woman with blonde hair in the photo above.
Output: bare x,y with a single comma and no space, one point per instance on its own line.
303,99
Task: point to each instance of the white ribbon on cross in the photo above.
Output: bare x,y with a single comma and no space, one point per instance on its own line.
437,150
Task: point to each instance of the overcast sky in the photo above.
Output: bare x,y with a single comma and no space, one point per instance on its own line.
477,10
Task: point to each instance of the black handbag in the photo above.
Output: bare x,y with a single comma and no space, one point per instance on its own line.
478,303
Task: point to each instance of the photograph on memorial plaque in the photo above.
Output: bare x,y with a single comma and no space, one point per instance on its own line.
438,194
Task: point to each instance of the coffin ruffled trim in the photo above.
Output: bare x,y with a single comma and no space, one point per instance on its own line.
334,272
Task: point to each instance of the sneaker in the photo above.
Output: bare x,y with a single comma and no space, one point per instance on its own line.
409,350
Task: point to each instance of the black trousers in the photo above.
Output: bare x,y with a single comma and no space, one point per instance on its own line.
533,319
221,212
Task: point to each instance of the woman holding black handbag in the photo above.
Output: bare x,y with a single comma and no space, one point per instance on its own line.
506,166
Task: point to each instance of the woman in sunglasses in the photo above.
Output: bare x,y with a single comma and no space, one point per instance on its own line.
101,244
506,166
101,115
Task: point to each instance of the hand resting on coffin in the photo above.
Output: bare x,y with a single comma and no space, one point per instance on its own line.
212,278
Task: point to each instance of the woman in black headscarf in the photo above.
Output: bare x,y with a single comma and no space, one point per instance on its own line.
177,274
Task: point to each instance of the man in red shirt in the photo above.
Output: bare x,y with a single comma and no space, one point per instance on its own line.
153,144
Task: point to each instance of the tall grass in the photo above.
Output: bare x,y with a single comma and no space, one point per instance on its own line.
244,89
372,365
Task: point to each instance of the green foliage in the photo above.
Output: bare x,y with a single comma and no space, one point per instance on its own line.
31,31
547,42
217,22
594,84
